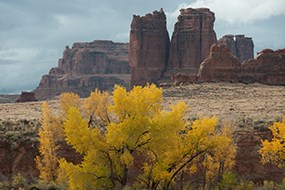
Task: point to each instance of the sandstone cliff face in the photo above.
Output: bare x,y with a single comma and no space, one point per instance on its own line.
149,46
19,157
219,66
86,66
268,68
192,38
239,45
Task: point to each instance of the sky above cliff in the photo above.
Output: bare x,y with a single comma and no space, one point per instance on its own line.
34,32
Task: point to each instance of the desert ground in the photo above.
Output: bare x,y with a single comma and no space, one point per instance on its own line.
253,104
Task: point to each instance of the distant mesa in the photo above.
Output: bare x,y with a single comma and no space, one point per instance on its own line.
85,67
26,97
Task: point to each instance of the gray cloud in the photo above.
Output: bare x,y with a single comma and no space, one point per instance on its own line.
34,32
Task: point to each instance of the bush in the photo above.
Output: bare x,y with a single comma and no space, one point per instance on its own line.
19,181
229,181
4,185
245,185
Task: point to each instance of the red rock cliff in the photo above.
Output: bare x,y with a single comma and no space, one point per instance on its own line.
86,66
219,66
149,46
268,68
192,38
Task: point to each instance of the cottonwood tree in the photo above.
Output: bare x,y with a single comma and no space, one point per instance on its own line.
115,134
273,151
47,162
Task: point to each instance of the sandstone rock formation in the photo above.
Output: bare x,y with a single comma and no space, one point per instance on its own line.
149,46
268,68
239,45
18,158
191,40
27,97
86,66
219,66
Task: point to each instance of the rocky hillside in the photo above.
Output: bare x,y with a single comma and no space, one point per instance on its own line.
85,67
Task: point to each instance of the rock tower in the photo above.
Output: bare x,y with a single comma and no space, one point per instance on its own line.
149,47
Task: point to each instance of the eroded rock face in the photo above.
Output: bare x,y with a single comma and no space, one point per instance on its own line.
240,46
192,38
86,66
268,68
19,157
219,66
149,47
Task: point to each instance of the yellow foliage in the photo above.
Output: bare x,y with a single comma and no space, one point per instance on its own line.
47,162
97,105
136,126
68,100
222,158
274,151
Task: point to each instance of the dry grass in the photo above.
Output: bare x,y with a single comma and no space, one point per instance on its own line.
254,105
28,110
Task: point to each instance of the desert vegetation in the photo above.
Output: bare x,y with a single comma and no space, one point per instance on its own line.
147,138
131,141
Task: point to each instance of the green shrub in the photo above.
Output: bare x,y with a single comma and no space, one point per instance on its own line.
4,185
19,181
245,185
229,181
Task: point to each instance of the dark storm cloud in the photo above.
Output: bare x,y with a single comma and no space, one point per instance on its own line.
34,32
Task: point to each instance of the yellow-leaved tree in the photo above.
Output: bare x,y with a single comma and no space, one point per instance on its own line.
50,135
47,162
222,158
128,138
273,151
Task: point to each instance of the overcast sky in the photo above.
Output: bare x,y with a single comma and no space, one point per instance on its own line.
34,32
